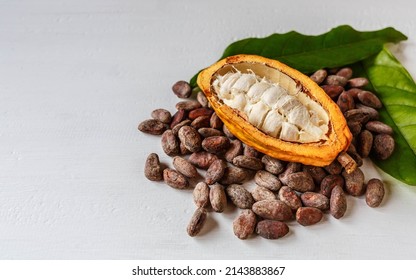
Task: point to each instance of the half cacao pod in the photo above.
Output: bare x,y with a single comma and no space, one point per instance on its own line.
275,109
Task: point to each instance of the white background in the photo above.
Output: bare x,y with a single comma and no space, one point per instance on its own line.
76,77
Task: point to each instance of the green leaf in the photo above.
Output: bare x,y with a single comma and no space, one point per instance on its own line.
397,91
340,46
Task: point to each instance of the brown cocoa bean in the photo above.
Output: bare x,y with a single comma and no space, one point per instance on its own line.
337,202
184,167
178,126
379,127
354,92
291,167
370,112
201,98
215,121
334,167
251,152
182,89
208,132
262,193
267,180
290,197
239,196
375,192
354,182
333,91
365,143
317,173
345,102
355,127
270,229
336,80
162,115
215,171
301,181
201,195
201,121
356,115
183,150
329,183
317,200
170,143
202,160
383,146
307,216
198,112
197,222
273,210
175,179
245,224
319,76
152,126
178,117
152,168
273,165
235,149
345,72
357,82
218,198
227,132
248,162
369,99
216,144
234,175
190,138
188,105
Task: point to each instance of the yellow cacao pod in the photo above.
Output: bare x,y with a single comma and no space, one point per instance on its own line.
275,109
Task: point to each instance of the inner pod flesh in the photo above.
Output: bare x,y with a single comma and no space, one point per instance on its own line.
271,101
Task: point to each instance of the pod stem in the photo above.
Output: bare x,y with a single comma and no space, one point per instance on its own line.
347,162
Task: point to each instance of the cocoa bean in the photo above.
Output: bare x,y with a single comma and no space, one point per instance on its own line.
354,92
175,179
301,181
369,99
355,127
270,229
329,183
251,152
354,182
262,193
317,200
201,195
333,91
190,138
375,192
234,175
307,216
273,210
383,146
215,171
319,76
245,224
345,72
290,197
365,143
198,112
357,115
267,180
184,167
183,150
358,82
202,159
182,89
291,167
239,196
248,162
197,222
218,198
235,149
215,121
370,112
334,167
201,121
216,144
273,165
201,98
178,117
379,127
338,202
152,126
336,80
152,168
162,115
208,132
317,173
170,143
345,102
188,105
178,126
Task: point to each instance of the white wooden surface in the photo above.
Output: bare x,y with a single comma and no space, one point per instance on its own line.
76,77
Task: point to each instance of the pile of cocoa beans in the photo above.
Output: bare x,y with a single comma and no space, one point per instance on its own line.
222,170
